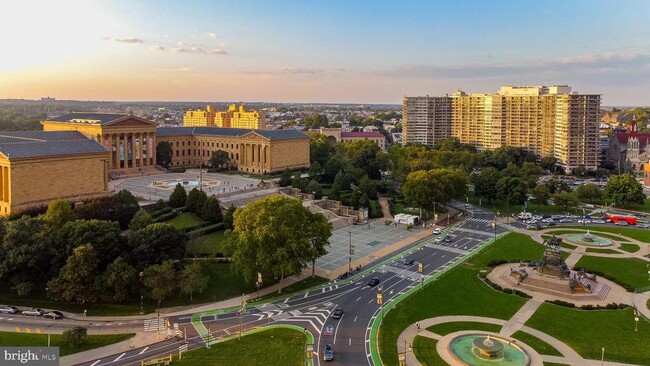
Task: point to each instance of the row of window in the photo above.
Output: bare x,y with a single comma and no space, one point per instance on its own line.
207,144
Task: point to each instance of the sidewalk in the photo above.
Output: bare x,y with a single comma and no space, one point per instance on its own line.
139,340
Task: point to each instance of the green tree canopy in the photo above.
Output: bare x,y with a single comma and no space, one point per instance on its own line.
566,200
195,201
160,281
314,187
141,220
541,194
59,212
79,279
285,178
485,183
623,189
512,190
211,210
193,279
155,244
589,192
118,280
219,159
164,154
228,218
178,196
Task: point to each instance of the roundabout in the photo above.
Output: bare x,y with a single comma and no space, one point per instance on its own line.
485,350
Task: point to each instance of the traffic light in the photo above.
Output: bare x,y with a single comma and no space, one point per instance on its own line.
351,249
420,267
380,298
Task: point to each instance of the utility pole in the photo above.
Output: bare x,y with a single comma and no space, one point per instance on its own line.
350,252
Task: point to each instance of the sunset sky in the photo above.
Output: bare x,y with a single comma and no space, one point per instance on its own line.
320,51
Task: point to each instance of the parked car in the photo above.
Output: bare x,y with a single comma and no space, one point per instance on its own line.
621,223
437,231
53,314
408,261
373,282
338,313
438,240
33,311
9,309
447,239
328,353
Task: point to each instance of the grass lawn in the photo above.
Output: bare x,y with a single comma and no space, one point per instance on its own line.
425,352
632,272
568,246
587,331
210,244
185,220
448,328
11,339
470,295
642,235
647,305
273,347
537,344
629,247
602,250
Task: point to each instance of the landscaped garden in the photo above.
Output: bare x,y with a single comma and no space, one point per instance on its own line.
631,273
424,349
638,234
535,343
451,327
11,339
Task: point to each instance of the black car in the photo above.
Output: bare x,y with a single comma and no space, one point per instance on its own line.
53,314
338,313
447,239
373,282
328,353
408,261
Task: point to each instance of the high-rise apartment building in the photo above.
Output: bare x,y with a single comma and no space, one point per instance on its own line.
237,117
200,118
426,119
545,120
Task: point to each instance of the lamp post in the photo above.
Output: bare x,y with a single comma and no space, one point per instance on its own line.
636,320
350,251
602,356
141,295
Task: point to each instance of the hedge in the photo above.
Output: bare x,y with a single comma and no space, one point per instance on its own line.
205,229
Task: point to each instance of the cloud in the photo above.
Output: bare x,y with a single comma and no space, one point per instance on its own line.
594,64
177,69
131,40
157,48
213,35
199,50
297,71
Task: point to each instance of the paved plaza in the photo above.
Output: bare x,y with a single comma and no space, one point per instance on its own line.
367,239
155,187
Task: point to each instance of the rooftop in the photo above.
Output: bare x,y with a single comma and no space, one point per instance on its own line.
89,117
232,132
33,144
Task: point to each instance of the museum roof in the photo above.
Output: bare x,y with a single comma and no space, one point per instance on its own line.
33,144
88,117
230,132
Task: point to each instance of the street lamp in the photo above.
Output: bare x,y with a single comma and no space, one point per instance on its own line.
602,357
350,252
636,320
141,296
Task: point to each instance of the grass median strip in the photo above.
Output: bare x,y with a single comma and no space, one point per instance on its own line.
451,327
630,247
11,339
425,352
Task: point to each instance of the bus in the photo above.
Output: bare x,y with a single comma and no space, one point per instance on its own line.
631,220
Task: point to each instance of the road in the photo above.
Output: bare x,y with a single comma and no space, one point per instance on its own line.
312,310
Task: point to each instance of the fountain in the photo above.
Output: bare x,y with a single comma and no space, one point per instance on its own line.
587,239
482,350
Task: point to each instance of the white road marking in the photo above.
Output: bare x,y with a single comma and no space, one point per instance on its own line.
120,356
355,319
349,341
371,300
286,300
337,327
359,298
323,291
306,293
144,350
95,363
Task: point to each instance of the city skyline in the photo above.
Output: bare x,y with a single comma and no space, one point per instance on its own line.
329,52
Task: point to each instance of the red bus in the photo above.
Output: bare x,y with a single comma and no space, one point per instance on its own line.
631,220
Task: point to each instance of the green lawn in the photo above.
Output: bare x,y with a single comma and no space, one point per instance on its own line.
10,339
185,220
537,344
588,331
568,246
425,352
448,328
642,235
629,247
632,272
602,250
273,347
210,244
470,295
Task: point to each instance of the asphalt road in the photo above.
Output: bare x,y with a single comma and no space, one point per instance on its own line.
312,310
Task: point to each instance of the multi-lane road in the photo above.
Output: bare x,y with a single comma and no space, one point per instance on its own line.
313,309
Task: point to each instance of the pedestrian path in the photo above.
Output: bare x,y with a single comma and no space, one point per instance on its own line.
520,318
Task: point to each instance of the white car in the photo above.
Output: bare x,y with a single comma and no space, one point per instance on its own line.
437,231
438,240
33,311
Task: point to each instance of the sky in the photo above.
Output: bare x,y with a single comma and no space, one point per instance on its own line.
330,51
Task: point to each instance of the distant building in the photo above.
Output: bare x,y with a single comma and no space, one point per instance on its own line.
200,118
48,99
336,135
629,149
547,120
237,117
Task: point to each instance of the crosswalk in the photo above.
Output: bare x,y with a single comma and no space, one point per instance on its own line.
154,325
482,221
314,315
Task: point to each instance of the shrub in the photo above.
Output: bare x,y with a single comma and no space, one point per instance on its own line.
75,336
177,170
210,228
561,303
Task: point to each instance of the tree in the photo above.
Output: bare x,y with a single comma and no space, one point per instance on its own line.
228,218
368,186
75,336
418,189
566,200
123,206
211,210
485,183
285,178
118,279
271,234
541,194
78,280
178,196
314,187
155,244
193,279
512,190
195,201
580,171
298,182
548,163
334,165
589,192
623,189
218,159
105,237
141,220
160,281
59,211
319,232
320,149
164,154
315,171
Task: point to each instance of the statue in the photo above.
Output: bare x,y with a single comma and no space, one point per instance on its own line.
553,243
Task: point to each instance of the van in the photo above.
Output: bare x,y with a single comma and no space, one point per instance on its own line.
525,216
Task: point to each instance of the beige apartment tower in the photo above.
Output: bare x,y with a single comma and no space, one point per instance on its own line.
238,117
426,119
200,118
547,120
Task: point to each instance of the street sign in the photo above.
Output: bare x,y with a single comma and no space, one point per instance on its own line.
310,350
380,298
